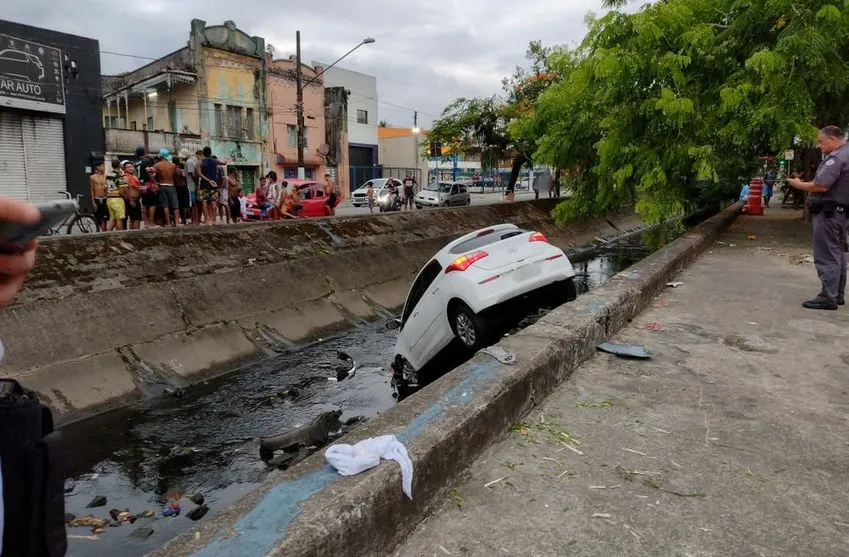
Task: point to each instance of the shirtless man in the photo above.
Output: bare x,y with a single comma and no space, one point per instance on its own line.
165,171
97,190
134,208
332,194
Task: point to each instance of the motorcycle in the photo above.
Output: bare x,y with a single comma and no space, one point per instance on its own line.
392,201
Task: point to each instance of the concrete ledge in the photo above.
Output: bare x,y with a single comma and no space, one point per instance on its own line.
312,511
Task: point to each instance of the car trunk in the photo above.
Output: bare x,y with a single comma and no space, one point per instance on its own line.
509,252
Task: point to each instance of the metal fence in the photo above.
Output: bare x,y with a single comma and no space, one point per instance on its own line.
362,174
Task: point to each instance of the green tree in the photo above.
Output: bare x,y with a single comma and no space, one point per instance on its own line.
670,106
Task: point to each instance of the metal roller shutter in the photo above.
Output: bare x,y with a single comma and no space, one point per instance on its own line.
13,176
44,147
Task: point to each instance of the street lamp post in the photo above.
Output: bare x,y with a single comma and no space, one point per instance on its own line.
300,94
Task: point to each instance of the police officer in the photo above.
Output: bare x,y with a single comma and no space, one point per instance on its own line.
829,207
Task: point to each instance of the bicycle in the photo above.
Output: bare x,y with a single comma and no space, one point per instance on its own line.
82,221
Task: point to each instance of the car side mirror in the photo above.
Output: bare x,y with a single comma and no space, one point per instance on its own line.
393,324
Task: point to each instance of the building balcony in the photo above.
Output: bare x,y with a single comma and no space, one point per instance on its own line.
124,142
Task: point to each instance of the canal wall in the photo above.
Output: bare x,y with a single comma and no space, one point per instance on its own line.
105,319
312,511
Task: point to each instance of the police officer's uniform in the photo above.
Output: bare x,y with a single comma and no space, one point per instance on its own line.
830,221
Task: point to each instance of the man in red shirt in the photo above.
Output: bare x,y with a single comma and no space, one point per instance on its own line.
134,208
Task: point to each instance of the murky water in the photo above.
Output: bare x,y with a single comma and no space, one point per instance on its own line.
206,441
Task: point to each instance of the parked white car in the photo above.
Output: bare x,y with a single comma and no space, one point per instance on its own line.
444,194
470,286
358,197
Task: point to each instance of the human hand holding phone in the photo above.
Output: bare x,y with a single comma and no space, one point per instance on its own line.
14,265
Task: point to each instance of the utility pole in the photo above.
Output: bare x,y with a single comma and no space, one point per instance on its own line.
300,92
300,108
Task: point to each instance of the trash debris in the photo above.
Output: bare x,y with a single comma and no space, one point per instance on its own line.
98,530
196,498
752,237
346,370
75,537
732,245
173,392
251,261
172,510
98,501
500,354
315,433
197,513
493,482
752,323
183,451
652,326
142,533
674,284
147,514
602,240
625,350
88,522
115,513
350,460
602,515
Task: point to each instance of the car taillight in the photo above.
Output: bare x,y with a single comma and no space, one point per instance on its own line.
538,237
464,262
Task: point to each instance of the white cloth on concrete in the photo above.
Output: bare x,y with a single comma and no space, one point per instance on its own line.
500,354
350,460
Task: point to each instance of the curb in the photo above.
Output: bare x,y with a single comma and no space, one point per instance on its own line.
312,511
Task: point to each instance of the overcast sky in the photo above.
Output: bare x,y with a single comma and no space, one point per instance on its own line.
426,54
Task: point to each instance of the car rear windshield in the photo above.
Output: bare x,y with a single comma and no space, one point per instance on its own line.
481,241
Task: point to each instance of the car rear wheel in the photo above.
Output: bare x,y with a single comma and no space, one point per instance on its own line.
468,327
564,291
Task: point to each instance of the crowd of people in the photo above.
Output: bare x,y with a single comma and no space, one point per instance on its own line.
164,190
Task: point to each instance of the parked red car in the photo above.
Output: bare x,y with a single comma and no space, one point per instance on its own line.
313,199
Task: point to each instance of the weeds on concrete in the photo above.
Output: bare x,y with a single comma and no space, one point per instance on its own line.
458,499
606,403
624,473
512,465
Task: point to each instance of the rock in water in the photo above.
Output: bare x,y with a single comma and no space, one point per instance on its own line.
197,513
313,434
98,501
114,513
142,533
196,498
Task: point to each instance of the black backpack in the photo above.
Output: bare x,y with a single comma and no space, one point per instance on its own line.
33,478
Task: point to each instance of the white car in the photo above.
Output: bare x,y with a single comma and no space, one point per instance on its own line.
444,194
358,197
469,286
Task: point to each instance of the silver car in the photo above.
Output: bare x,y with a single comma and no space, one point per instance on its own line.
444,194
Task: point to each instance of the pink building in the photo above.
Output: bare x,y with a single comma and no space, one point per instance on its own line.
283,122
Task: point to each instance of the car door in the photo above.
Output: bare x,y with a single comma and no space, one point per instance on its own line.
463,196
454,196
421,314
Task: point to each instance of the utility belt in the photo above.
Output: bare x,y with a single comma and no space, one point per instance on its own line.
828,208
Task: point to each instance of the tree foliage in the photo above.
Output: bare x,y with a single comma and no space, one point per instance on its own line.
479,127
671,105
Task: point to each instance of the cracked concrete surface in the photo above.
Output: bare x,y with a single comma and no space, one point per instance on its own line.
730,441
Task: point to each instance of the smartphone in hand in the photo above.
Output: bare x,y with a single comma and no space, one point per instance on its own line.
15,236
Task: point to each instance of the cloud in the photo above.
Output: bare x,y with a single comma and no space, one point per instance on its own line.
426,54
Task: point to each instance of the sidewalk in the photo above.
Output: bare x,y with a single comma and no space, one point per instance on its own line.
730,441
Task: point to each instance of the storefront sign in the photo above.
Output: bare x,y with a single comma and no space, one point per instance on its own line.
31,76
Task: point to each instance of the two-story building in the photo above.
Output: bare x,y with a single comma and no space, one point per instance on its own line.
282,142
211,92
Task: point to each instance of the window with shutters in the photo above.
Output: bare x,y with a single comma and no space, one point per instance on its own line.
250,131
292,134
219,121
362,116
234,121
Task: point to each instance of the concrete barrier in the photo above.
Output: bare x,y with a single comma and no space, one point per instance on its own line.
105,319
312,511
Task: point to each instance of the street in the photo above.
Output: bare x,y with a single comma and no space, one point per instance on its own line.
345,209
